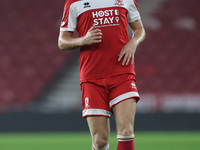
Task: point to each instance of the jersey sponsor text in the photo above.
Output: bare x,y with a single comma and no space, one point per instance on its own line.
107,17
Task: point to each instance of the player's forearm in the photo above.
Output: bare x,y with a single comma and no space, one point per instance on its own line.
138,35
67,42
70,43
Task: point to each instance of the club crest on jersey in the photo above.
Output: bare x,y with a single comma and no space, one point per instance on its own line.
119,2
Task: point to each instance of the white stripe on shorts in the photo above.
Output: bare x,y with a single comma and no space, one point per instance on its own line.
95,112
122,97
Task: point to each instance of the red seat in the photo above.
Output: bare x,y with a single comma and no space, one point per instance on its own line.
33,57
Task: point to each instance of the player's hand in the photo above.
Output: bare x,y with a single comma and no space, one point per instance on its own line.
92,36
127,53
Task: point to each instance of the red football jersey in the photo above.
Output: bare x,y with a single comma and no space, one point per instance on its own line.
111,16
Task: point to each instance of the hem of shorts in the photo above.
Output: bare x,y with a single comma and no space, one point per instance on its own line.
84,79
95,112
97,115
137,97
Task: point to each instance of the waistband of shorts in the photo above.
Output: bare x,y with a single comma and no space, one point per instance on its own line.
104,77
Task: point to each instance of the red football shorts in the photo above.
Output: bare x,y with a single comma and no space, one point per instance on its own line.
100,95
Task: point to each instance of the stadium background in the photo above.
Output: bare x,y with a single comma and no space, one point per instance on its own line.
39,84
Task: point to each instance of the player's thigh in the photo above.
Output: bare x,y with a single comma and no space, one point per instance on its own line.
124,113
124,88
99,127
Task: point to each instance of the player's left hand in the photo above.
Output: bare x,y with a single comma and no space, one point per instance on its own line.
127,52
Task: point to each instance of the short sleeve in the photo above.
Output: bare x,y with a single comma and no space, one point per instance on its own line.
69,19
133,12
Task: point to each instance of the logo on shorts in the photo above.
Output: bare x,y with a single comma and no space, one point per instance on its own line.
133,85
119,2
87,102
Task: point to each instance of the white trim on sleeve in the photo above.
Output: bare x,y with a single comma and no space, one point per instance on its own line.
66,29
133,13
134,19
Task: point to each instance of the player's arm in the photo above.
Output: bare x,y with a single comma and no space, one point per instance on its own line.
128,51
66,41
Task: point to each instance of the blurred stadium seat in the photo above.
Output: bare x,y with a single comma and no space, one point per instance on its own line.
29,56
168,59
167,63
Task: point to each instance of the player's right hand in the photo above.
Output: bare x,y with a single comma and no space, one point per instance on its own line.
92,36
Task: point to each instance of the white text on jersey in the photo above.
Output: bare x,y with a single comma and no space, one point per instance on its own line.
106,17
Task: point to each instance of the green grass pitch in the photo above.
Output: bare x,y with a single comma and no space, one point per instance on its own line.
82,141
